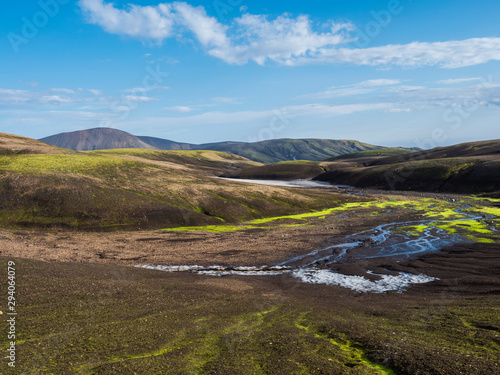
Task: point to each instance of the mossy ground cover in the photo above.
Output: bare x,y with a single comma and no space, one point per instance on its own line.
106,190
456,220
76,163
428,208
104,319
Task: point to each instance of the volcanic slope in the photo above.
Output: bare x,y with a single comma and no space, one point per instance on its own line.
44,186
470,168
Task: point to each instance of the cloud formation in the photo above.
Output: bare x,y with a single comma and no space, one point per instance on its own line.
284,40
145,22
361,88
250,37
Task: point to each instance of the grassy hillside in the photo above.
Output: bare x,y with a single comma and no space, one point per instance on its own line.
11,144
277,150
285,170
471,149
134,188
371,154
465,168
459,175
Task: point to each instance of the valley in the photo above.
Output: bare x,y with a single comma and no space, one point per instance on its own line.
146,261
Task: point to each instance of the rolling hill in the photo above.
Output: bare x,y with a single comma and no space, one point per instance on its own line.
43,186
465,168
269,151
276,150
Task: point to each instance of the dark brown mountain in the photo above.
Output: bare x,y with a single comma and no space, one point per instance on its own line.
96,139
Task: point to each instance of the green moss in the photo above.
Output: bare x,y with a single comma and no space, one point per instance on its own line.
431,208
74,163
474,230
495,211
354,353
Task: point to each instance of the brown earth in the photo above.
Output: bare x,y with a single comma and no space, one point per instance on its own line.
243,247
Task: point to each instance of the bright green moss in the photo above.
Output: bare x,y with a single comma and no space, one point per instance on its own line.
74,163
471,229
353,353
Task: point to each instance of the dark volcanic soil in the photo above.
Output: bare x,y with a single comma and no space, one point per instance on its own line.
109,319
246,247
82,308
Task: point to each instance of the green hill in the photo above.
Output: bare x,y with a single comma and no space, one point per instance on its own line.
466,168
276,150
43,186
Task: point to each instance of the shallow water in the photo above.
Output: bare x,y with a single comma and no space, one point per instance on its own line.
379,242
308,184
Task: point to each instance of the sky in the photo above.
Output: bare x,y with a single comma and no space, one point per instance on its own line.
387,72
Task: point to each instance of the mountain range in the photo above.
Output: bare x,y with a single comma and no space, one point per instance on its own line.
268,151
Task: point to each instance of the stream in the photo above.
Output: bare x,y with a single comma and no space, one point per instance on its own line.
383,241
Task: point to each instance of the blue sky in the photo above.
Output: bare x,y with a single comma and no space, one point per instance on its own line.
394,72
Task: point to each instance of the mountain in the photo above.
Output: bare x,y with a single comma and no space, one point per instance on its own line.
465,168
276,150
165,144
96,139
269,151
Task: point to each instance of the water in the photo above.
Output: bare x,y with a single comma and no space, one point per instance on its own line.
382,241
307,184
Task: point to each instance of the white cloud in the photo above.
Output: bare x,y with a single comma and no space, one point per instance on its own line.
49,118
253,37
136,90
145,22
329,110
182,108
28,98
281,40
8,96
364,87
284,40
55,99
66,91
422,98
450,55
139,99
219,117
458,80
207,30
95,91
215,102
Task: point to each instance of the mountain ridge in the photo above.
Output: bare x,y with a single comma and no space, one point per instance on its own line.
267,151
